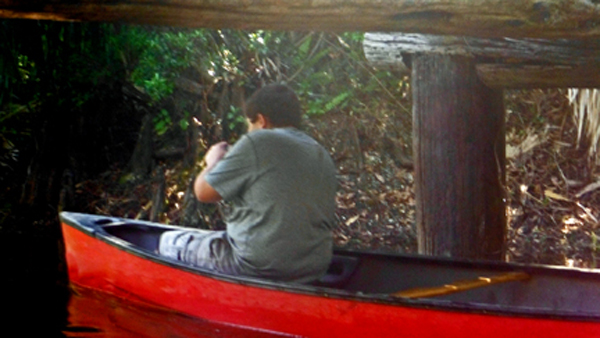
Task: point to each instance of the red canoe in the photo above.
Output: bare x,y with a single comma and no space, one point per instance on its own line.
365,294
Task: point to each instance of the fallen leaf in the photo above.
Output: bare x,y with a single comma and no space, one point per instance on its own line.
352,220
551,194
347,206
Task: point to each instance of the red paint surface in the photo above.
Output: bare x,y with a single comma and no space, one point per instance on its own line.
98,265
97,314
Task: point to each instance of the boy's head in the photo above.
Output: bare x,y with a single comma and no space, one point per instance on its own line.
277,103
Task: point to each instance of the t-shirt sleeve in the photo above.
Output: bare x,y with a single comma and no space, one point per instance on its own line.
233,172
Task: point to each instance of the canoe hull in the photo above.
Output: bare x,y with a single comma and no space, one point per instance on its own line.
99,265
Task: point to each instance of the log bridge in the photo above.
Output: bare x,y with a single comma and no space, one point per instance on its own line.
461,54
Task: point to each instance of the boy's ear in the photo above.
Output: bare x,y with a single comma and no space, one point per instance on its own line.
260,120
263,121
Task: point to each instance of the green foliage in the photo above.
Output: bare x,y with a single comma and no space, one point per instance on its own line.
184,123
157,86
328,71
337,101
65,64
236,118
162,122
160,55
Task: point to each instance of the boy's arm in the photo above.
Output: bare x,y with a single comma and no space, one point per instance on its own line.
203,190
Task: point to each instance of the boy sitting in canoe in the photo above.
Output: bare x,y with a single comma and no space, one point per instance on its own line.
281,185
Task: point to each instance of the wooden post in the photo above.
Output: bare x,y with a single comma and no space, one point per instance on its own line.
459,150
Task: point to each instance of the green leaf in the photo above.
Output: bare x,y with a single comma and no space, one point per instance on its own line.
303,49
336,101
160,127
184,124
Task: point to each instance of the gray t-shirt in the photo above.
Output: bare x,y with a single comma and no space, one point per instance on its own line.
281,185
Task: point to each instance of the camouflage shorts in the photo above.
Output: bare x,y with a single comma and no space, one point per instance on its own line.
201,248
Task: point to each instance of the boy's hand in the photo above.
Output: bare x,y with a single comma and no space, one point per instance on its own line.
216,153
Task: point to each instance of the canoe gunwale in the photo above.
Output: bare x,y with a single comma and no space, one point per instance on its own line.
97,231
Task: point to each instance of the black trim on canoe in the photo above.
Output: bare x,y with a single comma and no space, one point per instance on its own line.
99,228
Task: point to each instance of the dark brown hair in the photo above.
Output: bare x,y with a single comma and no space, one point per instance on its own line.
278,103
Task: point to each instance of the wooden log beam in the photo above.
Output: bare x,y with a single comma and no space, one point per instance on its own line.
523,76
501,63
384,49
459,153
484,18
534,76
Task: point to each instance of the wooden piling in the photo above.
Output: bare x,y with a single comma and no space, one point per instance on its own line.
459,150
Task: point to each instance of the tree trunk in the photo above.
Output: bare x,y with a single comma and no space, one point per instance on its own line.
222,129
190,210
142,162
487,18
459,152
158,200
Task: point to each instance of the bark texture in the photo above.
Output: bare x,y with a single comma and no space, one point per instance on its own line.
502,62
385,48
537,76
459,152
486,18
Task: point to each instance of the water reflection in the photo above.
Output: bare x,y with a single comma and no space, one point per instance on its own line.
96,314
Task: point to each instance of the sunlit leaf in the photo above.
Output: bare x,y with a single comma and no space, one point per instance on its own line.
352,220
555,196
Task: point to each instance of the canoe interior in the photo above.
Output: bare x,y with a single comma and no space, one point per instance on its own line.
550,290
